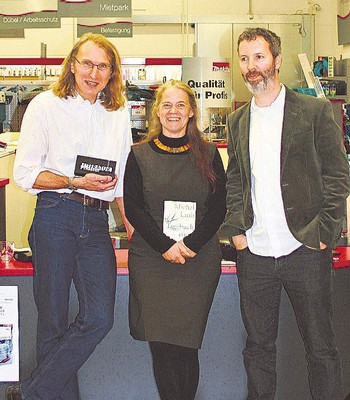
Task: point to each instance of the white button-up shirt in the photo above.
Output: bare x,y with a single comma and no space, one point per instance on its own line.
269,235
54,131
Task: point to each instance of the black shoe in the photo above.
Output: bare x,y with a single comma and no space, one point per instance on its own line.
13,392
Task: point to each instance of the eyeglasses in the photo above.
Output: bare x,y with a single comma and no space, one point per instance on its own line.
88,65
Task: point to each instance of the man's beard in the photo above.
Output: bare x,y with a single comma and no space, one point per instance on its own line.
262,85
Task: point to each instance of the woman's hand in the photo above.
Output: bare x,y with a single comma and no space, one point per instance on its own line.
129,229
186,252
178,253
174,254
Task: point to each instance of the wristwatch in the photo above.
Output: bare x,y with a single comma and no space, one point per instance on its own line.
70,183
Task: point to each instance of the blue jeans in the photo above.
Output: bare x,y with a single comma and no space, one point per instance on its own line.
305,274
70,243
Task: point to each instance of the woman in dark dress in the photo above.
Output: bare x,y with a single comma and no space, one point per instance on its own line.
174,195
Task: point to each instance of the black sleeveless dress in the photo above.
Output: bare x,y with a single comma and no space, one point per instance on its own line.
170,302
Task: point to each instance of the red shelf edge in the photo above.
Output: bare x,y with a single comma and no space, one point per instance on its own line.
17,268
4,181
31,61
59,61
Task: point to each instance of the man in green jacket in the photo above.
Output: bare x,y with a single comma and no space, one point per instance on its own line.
288,180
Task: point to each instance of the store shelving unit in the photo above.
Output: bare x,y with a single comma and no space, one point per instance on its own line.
154,70
337,87
217,129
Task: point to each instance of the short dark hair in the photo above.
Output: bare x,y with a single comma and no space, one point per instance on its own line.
272,39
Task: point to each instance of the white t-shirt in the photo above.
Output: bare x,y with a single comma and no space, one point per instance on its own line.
269,235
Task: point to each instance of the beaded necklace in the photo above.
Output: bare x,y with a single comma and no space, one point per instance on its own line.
169,149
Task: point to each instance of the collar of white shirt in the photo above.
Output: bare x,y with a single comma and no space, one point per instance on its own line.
277,103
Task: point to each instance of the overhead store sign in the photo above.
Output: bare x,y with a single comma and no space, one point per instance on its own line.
45,19
21,7
343,19
24,14
114,29
95,8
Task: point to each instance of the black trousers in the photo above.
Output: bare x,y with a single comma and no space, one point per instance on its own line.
305,275
176,370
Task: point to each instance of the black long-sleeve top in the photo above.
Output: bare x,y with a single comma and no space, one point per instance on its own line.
143,222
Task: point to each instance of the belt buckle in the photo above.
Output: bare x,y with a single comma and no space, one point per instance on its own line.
86,201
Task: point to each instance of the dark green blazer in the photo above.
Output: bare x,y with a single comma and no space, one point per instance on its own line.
314,171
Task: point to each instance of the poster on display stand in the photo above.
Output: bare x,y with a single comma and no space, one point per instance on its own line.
343,20
9,334
210,79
